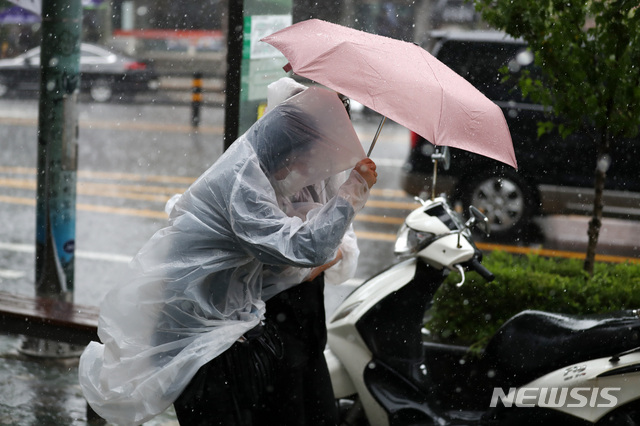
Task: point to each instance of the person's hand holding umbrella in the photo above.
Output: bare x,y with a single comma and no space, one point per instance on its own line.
367,169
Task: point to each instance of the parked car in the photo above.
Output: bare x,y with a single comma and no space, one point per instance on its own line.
104,74
453,12
554,176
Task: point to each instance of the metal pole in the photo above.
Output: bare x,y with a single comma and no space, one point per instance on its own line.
57,156
196,99
234,64
435,177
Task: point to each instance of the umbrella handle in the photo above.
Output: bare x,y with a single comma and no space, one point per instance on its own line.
375,138
433,182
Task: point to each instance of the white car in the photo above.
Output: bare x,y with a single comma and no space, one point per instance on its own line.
103,74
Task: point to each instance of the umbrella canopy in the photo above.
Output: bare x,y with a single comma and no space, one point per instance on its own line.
399,80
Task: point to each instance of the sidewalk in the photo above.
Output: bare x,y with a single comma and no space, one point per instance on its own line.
617,236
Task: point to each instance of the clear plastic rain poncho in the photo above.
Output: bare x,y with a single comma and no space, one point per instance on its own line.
198,283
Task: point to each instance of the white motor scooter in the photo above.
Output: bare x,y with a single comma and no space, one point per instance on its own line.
540,368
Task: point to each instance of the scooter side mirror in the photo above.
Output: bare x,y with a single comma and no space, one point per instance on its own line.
440,153
479,220
443,155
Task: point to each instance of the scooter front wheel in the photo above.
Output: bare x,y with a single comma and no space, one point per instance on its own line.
627,415
350,412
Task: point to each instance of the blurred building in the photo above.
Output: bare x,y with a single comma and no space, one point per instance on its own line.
183,36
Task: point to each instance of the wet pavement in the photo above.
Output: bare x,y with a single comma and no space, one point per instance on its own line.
45,392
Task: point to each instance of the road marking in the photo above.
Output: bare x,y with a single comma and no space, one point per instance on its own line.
124,125
388,162
89,255
11,274
154,214
390,193
31,184
184,180
553,253
392,204
157,214
380,219
134,192
378,236
85,124
18,200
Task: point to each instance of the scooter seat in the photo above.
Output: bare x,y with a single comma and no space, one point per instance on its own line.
533,343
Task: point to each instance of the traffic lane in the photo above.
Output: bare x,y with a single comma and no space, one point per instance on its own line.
117,211
143,139
109,236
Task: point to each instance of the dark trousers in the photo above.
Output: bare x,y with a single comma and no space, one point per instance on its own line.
297,390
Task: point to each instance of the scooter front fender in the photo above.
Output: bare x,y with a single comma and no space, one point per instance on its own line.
346,344
588,390
340,380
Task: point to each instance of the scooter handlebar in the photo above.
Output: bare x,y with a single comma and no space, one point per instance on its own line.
475,265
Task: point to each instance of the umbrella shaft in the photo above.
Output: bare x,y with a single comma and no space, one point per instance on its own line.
435,177
375,138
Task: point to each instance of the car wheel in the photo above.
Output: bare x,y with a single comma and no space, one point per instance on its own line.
504,198
101,90
350,412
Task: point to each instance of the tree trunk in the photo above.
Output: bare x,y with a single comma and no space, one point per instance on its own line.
602,165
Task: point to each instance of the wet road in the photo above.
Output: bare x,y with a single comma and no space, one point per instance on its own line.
132,158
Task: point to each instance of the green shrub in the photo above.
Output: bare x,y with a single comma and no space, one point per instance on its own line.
472,313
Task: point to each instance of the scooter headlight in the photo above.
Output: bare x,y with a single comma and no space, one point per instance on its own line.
409,241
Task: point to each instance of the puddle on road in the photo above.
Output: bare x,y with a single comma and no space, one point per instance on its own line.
43,392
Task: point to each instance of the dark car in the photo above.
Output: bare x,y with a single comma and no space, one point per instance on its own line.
104,74
554,176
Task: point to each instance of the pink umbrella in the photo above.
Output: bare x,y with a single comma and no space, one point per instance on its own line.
399,80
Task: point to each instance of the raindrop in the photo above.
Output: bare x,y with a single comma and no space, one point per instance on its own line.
603,163
491,374
371,365
514,66
524,58
53,62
